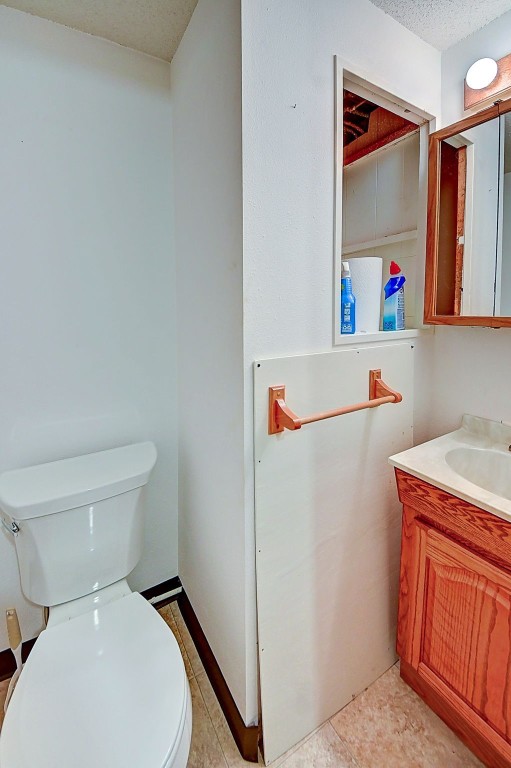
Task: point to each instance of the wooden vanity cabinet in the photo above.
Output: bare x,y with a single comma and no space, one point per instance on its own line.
454,623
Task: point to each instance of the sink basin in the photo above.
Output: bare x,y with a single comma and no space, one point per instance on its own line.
490,470
472,463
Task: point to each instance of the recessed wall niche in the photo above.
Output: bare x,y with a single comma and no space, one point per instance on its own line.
381,153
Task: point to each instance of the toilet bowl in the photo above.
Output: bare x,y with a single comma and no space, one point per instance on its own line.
105,684
106,688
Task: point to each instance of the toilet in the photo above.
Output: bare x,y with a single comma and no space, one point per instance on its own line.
105,684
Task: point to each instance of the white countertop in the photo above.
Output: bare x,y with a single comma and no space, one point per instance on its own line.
428,462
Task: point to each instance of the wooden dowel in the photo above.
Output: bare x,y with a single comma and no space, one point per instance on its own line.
347,409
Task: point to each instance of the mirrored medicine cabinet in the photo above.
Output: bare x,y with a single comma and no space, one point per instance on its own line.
468,256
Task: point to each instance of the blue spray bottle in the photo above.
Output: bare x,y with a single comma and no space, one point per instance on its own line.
347,300
394,304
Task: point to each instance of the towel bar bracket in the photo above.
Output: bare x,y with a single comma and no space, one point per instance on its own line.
281,417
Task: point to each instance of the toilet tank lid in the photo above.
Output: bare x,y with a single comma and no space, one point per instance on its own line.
59,485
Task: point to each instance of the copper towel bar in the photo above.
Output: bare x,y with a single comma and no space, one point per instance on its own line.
281,417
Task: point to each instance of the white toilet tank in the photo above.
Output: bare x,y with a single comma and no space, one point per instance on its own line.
79,521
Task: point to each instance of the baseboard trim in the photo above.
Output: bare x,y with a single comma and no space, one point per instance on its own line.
160,595
163,593
7,662
246,737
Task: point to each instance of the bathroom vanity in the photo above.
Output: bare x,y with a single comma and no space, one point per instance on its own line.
454,624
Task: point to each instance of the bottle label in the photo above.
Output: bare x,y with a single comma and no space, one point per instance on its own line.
346,323
347,317
347,307
394,311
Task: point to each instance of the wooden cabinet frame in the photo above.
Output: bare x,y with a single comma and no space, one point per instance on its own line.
432,235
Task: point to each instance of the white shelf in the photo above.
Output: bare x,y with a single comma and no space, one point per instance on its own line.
388,240
379,336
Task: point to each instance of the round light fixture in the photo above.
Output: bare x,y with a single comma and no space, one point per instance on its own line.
481,74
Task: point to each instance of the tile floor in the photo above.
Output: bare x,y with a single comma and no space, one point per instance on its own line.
387,726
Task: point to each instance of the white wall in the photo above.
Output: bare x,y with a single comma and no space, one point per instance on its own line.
87,284
471,366
206,94
286,285
288,160
288,170
380,192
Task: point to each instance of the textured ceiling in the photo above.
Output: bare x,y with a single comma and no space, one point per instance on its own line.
152,26
157,26
443,22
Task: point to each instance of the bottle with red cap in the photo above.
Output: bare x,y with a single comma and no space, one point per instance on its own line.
394,304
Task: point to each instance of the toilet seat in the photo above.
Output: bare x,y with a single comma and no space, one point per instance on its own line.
106,689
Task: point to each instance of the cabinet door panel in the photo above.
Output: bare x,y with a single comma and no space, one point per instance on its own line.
467,628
